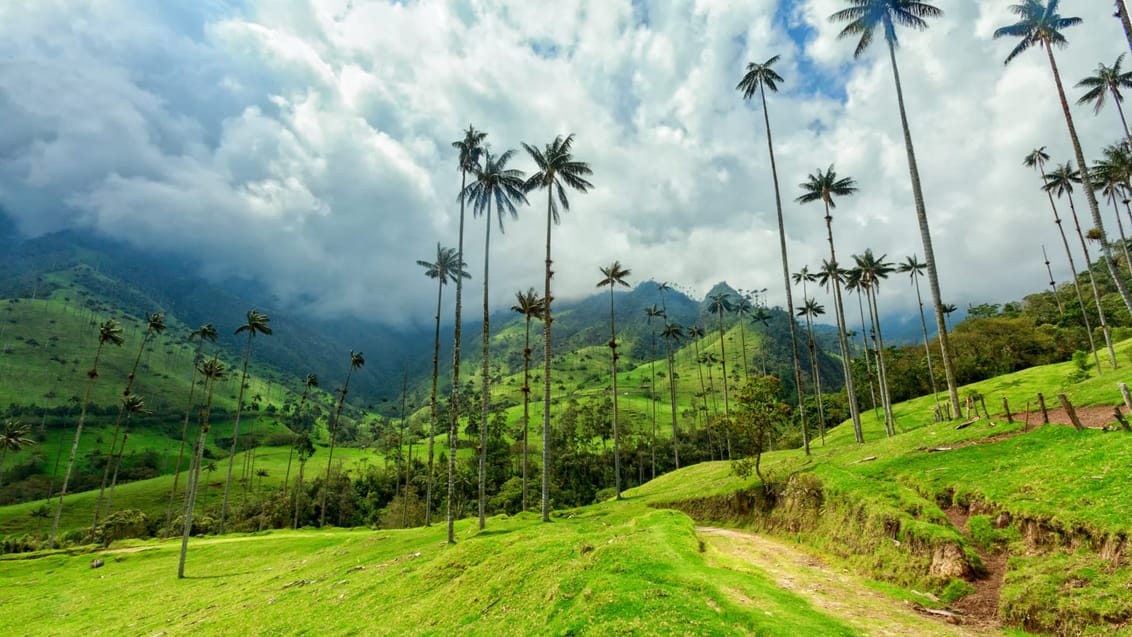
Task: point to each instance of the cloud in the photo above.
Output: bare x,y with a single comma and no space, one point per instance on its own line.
307,144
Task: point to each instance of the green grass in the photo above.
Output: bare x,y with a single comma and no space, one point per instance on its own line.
617,569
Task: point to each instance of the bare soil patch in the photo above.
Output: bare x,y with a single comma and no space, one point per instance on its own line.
981,607
834,591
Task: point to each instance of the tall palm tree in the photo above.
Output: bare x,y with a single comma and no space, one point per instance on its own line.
201,334
109,331
470,149
672,334
762,317
257,324
311,382
914,268
494,183
762,77
1108,80
13,437
304,449
557,172
863,18
134,406
812,309
871,270
612,276
742,308
1037,159
720,302
652,312
529,304
1060,182
447,268
852,282
1112,176
697,333
1040,24
357,361
211,371
823,186
155,324
1052,282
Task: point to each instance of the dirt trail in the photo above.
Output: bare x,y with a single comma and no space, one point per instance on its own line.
838,593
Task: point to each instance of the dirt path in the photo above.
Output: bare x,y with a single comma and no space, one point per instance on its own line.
833,591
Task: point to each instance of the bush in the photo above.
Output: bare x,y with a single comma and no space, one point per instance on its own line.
119,525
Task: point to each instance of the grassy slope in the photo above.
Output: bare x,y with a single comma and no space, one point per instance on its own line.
605,570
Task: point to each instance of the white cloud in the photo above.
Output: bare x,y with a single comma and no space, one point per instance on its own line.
308,143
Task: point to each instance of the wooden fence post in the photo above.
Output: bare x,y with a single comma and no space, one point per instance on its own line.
1042,405
1127,396
1006,408
1072,412
1120,418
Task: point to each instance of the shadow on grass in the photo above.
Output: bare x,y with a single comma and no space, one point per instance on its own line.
219,575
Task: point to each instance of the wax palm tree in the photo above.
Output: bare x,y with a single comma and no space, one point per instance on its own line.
762,317
134,406
761,77
470,150
201,334
13,437
1037,159
557,172
742,308
823,186
304,449
1040,24
529,304
696,333
672,334
612,276
871,271
446,269
1052,282
812,309
719,303
109,331
851,282
494,183
652,312
948,310
1060,182
155,324
311,382
357,361
1111,176
257,324
211,371
863,18
914,268
1107,81
710,360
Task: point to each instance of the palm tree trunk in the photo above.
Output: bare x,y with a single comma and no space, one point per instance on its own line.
1093,282
703,387
526,406
743,346
786,276
652,398
485,397
299,492
1123,120
1122,12
927,349
926,238
865,352
117,465
454,421
181,451
432,398
672,401
843,341
723,363
546,366
194,482
613,359
330,456
882,370
1123,239
294,438
816,372
74,447
236,431
1098,223
117,429
1073,271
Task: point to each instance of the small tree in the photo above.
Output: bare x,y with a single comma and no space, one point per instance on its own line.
759,412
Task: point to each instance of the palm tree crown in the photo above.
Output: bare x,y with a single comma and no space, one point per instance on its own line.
557,171
471,148
1107,80
864,16
257,324
498,184
759,76
446,267
613,275
822,186
1039,24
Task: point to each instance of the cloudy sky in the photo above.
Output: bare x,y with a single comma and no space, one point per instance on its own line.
306,143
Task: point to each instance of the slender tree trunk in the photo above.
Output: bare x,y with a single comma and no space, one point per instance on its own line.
652,398
786,277
432,397
526,406
723,362
333,439
816,372
74,447
1106,253
299,492
1122,13
1123,239
454,404
1052,282
193,483
485,398
926,238
1093,281
117,465
842,340
703,387
613,361
117,429
882,370
672,401
927,349
236,431
1073,271
184,434
743,346
865,352
547,298
294,438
